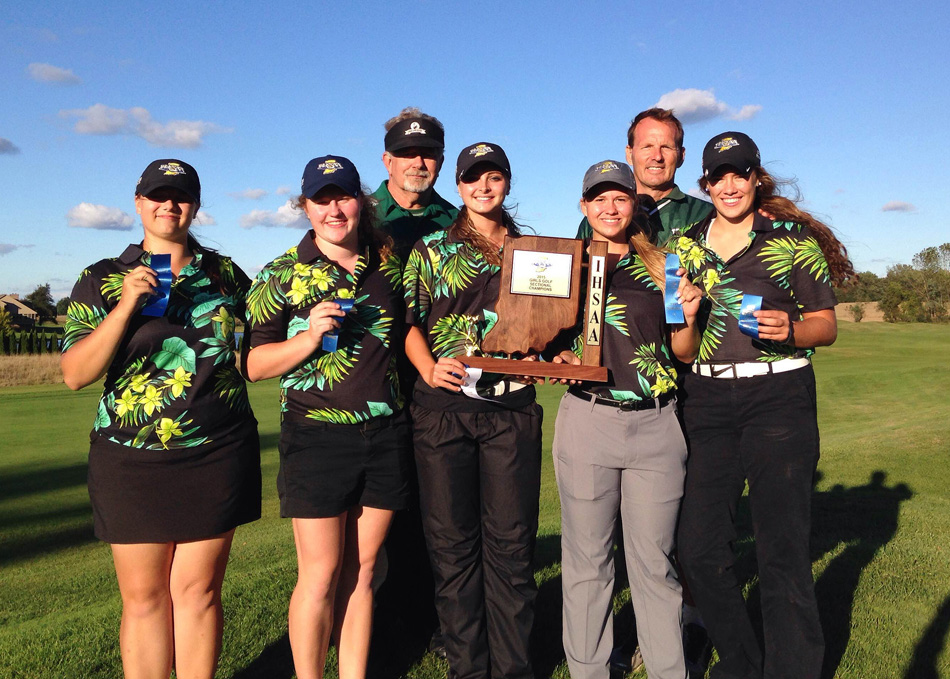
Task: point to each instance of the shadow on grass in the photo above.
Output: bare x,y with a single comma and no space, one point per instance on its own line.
924,663
41,480
863,519
58,525
274,662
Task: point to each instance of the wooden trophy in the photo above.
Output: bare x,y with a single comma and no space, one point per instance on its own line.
539,298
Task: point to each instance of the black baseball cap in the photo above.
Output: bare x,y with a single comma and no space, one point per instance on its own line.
330,171
609,171
415,132
482,152
730,148
169,173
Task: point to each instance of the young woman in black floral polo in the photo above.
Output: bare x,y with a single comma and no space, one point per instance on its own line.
344,441
174,464
478,454
619,445
750,410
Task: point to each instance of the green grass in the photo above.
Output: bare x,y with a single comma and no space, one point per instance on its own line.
880,541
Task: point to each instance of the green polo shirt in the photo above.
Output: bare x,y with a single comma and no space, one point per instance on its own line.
408,226
677,211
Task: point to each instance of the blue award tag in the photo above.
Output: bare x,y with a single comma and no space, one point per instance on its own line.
674,310
158,300
748,324
330,339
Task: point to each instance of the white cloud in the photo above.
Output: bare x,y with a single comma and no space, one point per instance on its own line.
205,219
693,106
8,148
286,215
249,194
89,216
47,73
100,119
898,206
283,190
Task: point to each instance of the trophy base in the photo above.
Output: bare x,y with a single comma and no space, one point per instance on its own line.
560,371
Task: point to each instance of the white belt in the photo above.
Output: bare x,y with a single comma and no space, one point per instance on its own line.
731,371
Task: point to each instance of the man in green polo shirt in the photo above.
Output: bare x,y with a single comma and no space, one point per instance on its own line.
655,150
408,206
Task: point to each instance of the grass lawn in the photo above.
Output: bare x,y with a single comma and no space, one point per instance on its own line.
881,538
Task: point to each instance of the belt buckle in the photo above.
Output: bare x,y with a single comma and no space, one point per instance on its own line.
627,406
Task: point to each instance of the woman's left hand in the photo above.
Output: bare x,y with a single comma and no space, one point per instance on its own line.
774,325
688,295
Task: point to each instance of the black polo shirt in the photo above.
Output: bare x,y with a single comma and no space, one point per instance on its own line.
173,383
356,382
782,262
451,292
635,346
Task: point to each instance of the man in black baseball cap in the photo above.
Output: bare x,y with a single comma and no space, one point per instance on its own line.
408,206
169,173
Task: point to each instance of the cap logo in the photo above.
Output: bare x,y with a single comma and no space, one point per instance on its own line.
481,150
725,144
608,167
172,169
414,128
330,166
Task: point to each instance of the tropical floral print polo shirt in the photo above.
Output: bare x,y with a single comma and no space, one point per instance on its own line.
356,382
635,345
782,262
174,382
451,292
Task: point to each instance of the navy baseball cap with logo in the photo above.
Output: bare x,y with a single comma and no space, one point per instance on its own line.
482,152
415,132
730,148
169,173
609,172
330,171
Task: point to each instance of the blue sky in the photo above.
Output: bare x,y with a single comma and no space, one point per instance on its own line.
850,98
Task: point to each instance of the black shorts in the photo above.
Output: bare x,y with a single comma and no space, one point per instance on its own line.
326,469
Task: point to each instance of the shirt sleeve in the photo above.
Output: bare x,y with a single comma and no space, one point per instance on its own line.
809,277
417,280
88,307
266,310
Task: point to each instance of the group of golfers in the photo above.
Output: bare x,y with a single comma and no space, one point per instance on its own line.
386,431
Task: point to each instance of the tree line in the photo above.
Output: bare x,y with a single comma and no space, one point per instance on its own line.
917,292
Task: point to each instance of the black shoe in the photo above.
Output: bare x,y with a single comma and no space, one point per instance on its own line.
697,649
437,645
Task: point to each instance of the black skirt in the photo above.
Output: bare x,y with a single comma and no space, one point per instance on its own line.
175,495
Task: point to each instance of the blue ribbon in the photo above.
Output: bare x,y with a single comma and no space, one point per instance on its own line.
748,324
331,338
674,310
158,300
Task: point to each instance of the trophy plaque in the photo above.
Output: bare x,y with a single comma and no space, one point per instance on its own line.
539,298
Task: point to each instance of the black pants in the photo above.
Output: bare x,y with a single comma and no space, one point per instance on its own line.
479,487
763,429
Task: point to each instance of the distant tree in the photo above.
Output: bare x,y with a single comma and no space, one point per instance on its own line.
6,321
857,312
904,295
868,287
62,306
41,301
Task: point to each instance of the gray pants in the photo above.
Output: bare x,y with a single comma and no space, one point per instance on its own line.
605,458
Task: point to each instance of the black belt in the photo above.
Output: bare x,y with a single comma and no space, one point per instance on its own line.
646,404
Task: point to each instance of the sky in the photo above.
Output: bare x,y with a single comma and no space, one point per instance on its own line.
851,99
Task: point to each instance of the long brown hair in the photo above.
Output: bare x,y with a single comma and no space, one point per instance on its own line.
378,240
769,199
463,229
